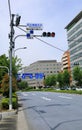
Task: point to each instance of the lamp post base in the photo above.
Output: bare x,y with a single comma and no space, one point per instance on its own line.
10,107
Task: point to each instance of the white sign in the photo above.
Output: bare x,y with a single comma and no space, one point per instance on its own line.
34,26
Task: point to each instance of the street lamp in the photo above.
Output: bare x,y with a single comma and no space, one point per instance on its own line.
19,49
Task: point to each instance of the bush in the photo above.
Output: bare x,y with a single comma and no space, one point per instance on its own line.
5,103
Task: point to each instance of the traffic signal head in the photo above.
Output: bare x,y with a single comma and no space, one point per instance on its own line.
48,34
18,20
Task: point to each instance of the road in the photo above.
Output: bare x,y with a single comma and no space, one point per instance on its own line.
52,111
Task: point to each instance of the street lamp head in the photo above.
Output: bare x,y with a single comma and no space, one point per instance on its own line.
25,47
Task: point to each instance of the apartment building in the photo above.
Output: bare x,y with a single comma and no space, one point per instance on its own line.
66,61
47,67
74,37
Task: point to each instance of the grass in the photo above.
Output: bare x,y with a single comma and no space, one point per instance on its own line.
58,91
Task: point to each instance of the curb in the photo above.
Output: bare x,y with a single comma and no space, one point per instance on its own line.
7,114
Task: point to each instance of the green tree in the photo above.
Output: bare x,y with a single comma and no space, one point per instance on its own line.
66,78
3,62
77,75
16,65
22,85
60,79
50,80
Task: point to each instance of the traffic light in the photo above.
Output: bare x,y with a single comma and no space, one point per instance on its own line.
48,34
18,20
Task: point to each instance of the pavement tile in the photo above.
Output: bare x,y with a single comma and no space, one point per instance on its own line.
9,123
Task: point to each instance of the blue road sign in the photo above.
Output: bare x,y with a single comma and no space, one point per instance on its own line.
31,76
29,34
34,26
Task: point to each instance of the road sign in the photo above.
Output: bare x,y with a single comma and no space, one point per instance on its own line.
29,34
34,26
39,75
31,75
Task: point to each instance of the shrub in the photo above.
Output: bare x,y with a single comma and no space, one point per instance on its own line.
5,103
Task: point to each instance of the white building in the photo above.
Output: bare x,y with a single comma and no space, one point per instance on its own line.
46,67
74,35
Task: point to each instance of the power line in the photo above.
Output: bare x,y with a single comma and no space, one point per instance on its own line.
49,44
22,29
9,9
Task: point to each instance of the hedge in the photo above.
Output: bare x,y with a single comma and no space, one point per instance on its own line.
5,103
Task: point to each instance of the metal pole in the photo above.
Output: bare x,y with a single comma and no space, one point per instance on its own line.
10,54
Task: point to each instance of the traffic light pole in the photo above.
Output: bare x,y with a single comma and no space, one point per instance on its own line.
10,55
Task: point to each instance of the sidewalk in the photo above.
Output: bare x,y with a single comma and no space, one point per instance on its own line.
13,120
21,123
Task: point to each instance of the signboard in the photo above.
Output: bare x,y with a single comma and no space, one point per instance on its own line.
31,76
29,34
34,26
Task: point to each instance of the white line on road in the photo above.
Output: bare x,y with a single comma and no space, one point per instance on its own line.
25,94
33,94
65,97
45,98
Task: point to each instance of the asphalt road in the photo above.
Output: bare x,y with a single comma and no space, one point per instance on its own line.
52,111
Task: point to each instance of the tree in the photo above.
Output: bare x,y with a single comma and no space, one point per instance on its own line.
22,85
60,79
66,78
77,75
50,80
5,85
3,62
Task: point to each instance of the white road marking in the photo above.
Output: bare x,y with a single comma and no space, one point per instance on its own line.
65,97
33,94
45,98
25,94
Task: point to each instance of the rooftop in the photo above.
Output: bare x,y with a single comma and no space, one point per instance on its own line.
75,20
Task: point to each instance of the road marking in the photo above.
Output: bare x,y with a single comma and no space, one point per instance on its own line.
45,98
25,94
33,94
65,97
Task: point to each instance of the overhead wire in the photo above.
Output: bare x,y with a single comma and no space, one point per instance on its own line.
49,44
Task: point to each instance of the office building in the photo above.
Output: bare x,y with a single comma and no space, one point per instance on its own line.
47,67
74,37
66,61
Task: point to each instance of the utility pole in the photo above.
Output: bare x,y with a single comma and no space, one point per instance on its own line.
11,35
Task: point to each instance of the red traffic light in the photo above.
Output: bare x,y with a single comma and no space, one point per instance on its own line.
48,34
53,34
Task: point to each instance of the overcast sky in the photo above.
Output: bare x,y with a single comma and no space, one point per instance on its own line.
53,14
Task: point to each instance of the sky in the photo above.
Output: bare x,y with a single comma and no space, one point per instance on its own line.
54,15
